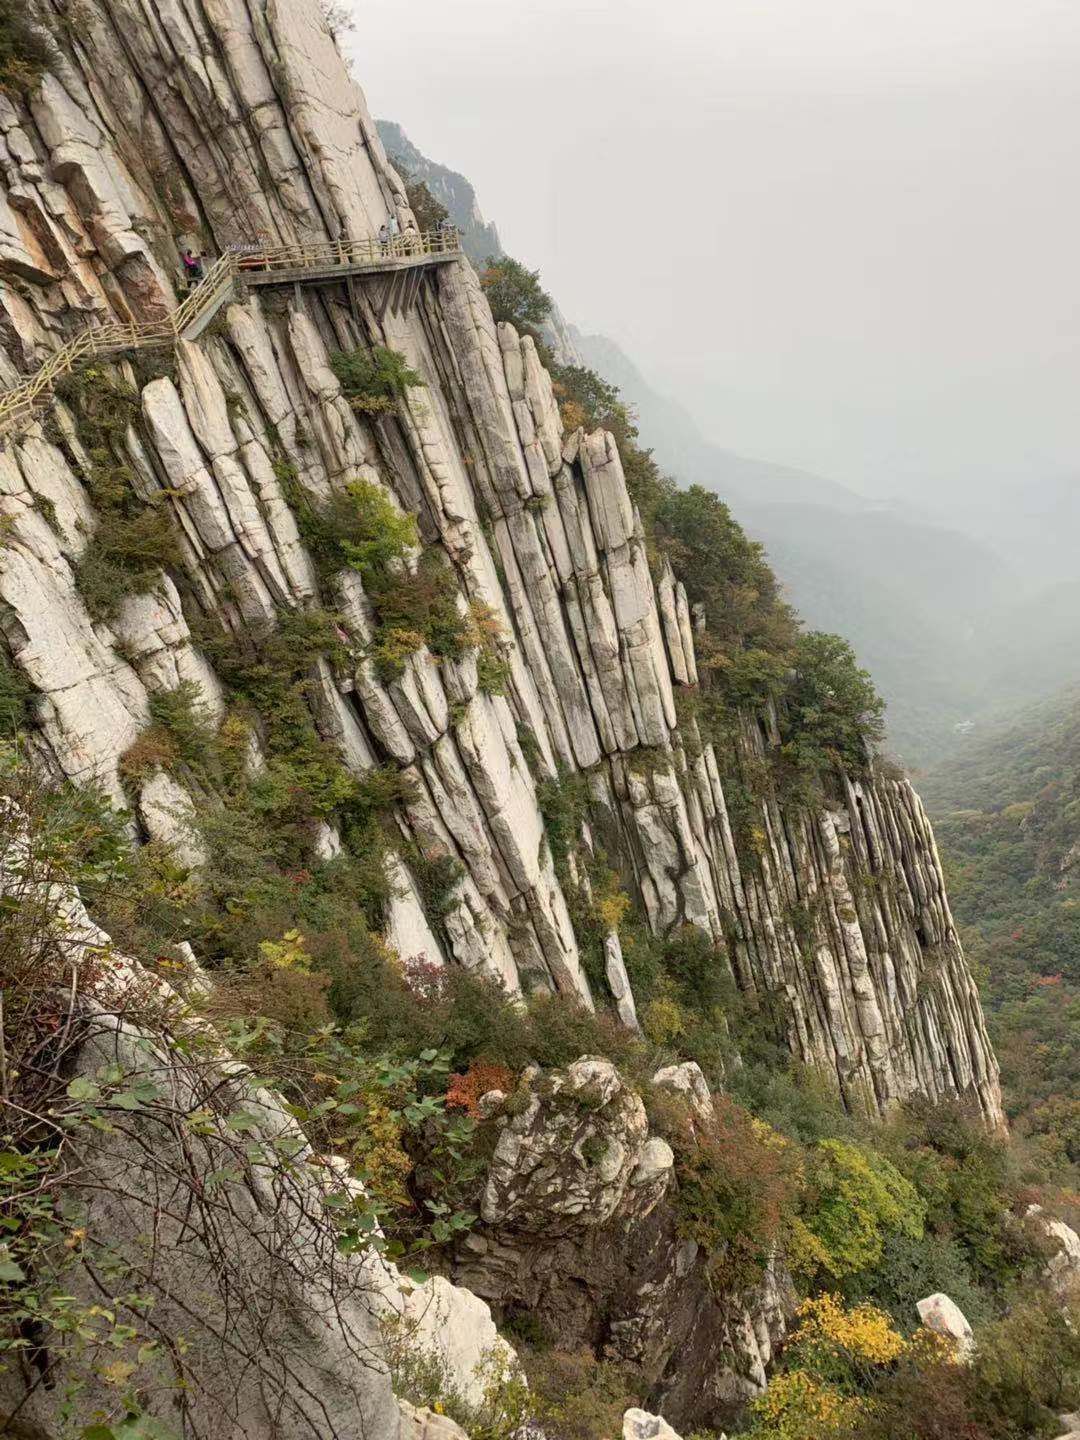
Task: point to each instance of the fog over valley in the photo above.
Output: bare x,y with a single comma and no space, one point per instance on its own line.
827,251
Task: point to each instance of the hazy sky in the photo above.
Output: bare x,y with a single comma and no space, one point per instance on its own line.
846,231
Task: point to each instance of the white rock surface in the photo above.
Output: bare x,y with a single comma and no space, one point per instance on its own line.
640,1425
166,809
618,981
453,1327
424,1424
1063,1267
688,1081
944,1317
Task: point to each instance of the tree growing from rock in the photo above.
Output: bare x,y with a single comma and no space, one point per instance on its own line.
514,293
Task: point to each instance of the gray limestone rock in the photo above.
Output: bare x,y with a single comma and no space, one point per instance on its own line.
580,1230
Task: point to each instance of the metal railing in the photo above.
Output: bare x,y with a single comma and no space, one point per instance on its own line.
18,406
358,253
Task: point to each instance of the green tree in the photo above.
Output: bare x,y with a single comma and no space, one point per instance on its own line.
858,1198
723,570
587,399
374,380
429,212
832,713
514,293
15,696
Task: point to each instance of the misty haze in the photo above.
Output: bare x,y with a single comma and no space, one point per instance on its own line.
842,238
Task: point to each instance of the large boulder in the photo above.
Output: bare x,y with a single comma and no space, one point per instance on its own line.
581,1230
445,1326
688,1081
574,1155
639,1425
1063,1267
944,1317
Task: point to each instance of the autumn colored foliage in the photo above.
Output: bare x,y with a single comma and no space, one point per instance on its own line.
464,1091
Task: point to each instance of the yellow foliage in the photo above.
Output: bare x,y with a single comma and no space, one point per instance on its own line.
395,647
234,739
612,909
610,903
1018,811
797,1406
663,1020
377,1151
485,627
768,1135
804,1252
833,1356
288,953
573,416
864,1332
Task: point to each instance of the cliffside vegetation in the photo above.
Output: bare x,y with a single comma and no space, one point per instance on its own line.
847,1372
383,1065
116,1104
24,48
1008,820
515,294
133,540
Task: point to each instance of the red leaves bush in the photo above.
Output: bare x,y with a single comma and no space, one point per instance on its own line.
464,1091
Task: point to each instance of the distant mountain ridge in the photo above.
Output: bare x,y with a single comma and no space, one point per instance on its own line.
479,239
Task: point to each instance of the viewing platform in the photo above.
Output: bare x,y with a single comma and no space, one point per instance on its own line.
401,260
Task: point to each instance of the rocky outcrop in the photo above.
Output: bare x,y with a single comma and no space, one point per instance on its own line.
581,1231
445,1326
686,1080
242,125
424,1424
944,1317
1062,1269
193,1197
639,1425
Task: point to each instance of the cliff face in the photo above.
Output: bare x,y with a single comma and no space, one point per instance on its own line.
236,123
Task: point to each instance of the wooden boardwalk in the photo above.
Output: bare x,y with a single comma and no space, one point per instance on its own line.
402,262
